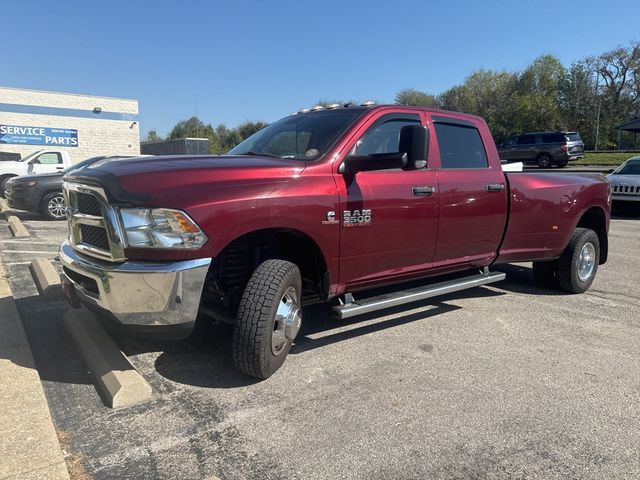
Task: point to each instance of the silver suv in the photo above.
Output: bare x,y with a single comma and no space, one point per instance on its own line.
543,148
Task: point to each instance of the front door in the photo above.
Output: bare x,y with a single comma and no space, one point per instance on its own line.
388,217
47,162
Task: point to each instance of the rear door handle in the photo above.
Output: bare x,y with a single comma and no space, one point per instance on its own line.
423,191
494,187
59,168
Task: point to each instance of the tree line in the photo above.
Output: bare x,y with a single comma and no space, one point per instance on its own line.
591,96
221,138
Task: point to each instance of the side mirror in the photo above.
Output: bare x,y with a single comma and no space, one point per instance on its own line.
611,170
414,141
375,161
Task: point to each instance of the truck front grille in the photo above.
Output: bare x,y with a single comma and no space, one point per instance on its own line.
88,204
94,237
93,224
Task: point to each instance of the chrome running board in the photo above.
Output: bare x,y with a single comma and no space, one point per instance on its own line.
372,304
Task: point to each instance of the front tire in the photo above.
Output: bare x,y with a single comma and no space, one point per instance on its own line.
578,264
3,183
269,318
53,206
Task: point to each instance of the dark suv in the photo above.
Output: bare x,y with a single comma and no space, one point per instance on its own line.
543,148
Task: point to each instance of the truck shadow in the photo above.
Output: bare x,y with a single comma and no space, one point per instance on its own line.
205,359
520,280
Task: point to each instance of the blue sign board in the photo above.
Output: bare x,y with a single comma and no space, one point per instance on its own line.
21,135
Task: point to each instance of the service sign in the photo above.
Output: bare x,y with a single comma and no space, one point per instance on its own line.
21,135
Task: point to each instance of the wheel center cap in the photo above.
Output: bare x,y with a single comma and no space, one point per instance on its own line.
293,323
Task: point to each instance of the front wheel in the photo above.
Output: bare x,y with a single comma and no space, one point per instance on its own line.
578,264
53,206
269,318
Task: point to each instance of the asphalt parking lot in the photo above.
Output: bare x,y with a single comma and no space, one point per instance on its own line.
506,381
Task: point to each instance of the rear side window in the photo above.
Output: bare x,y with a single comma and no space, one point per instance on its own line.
527,140
553,138
460,146
574,137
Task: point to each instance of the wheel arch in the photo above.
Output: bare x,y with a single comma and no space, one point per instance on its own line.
595,219
239,258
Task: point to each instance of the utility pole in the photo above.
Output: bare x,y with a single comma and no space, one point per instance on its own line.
597,134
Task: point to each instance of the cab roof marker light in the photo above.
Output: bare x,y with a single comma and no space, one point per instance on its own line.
331,106
303,110
315,108
368,103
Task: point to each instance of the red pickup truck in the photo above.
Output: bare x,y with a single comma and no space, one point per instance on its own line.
320,206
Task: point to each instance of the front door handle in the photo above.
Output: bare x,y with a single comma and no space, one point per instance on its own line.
423,191
495,187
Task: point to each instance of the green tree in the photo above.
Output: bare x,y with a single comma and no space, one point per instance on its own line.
152,136
410,96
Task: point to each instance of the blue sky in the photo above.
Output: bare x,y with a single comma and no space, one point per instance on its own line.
260,60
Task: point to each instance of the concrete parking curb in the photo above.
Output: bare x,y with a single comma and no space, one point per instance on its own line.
17,228
29,446
46,278
118,382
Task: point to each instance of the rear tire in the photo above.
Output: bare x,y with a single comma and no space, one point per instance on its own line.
545,273
269,318
562,163
578,264
544,160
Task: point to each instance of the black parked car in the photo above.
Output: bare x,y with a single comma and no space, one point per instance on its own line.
543,148
42,193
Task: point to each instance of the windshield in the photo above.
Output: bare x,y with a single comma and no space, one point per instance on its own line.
630,167
305,136
82,164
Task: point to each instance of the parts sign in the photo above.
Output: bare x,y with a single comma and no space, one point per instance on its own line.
21,135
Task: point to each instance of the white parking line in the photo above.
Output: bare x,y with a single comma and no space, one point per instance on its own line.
37,252
30,242
16,263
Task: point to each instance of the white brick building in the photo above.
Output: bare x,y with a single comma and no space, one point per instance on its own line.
83,125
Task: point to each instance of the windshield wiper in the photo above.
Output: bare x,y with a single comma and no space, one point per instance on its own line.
260,154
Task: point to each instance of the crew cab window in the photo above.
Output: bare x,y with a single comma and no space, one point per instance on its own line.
510,142
50,158
460,146
527,140
383,136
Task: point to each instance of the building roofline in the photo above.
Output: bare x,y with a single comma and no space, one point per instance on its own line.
67,93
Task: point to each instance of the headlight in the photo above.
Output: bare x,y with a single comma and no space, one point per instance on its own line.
160,228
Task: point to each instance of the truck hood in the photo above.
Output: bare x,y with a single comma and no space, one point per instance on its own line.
145,178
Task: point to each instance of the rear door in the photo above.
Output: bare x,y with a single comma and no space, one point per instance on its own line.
472,195
526,148
388,217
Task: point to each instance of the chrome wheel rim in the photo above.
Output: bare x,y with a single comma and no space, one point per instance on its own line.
287,322
586,261
56,207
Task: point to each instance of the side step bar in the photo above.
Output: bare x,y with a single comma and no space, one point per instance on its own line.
372,304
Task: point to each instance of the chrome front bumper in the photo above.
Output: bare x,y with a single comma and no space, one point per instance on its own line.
142,294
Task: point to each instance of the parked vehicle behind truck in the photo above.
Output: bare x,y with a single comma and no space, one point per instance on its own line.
42,161
320,206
